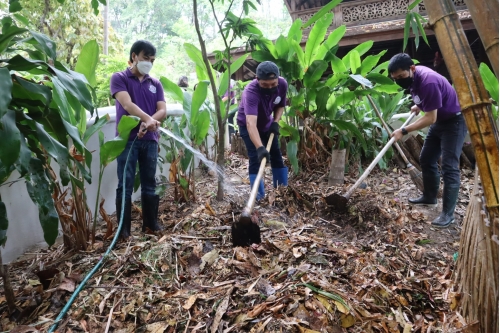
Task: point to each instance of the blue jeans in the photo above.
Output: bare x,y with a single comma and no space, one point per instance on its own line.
253,161
444,138
146,153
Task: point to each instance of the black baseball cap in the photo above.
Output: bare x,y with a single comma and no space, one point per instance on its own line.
267,70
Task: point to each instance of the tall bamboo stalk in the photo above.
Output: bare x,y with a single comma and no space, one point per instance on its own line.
485,16
476,107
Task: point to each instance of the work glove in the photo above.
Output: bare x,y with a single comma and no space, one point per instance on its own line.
261,153
275,128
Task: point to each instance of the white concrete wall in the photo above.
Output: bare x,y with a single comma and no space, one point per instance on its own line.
24,227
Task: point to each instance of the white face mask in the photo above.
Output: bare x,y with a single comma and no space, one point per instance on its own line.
144,67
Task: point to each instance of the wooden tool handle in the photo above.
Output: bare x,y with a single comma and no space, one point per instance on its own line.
379,114
255,188
376,160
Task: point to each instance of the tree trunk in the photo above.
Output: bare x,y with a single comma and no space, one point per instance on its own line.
410,158
220,122
485,16
337,168
476,107
414,147
9,293
106,30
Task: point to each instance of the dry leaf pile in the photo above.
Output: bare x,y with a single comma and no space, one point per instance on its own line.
379,267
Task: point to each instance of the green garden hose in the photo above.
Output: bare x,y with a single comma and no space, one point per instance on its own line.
99,264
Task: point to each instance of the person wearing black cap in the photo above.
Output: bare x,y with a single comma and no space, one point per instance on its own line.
261,107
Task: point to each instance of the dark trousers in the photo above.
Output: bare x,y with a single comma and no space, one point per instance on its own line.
446,139
253,161
146,153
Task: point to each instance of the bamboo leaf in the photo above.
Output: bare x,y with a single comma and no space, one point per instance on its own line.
406,33
419,20
414,4
320,13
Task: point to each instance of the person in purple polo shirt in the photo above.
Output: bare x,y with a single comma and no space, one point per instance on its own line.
262,104
434,95
140,95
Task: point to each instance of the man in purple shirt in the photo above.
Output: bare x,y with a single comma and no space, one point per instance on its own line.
434,95
262,104
140,95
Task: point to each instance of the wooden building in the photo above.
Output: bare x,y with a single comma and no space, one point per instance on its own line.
381,21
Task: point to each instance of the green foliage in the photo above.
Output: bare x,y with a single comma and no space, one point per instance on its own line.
87,61
42,105
491,84
105,68
70,24
336,102
415,22
110,150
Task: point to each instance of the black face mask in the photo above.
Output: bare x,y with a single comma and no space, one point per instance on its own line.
404,83
268,91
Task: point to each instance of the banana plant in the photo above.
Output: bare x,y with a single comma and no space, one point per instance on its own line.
193,128
42,104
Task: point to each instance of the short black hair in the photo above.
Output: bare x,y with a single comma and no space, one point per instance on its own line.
183,82
400,61
142,45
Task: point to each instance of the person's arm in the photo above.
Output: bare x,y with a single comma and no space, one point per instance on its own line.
278,113
251,122
428,119
124,99
161,111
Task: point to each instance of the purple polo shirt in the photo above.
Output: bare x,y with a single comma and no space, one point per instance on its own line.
144,94
255,103
431,91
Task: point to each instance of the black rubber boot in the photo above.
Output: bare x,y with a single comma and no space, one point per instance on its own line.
150,212
127,217
447,216
431,188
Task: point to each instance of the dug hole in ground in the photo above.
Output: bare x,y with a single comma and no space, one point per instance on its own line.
379,267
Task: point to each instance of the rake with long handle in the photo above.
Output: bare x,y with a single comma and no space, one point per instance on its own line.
245,232
340,201
416,176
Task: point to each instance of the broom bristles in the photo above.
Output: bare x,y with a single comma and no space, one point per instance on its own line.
416,177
